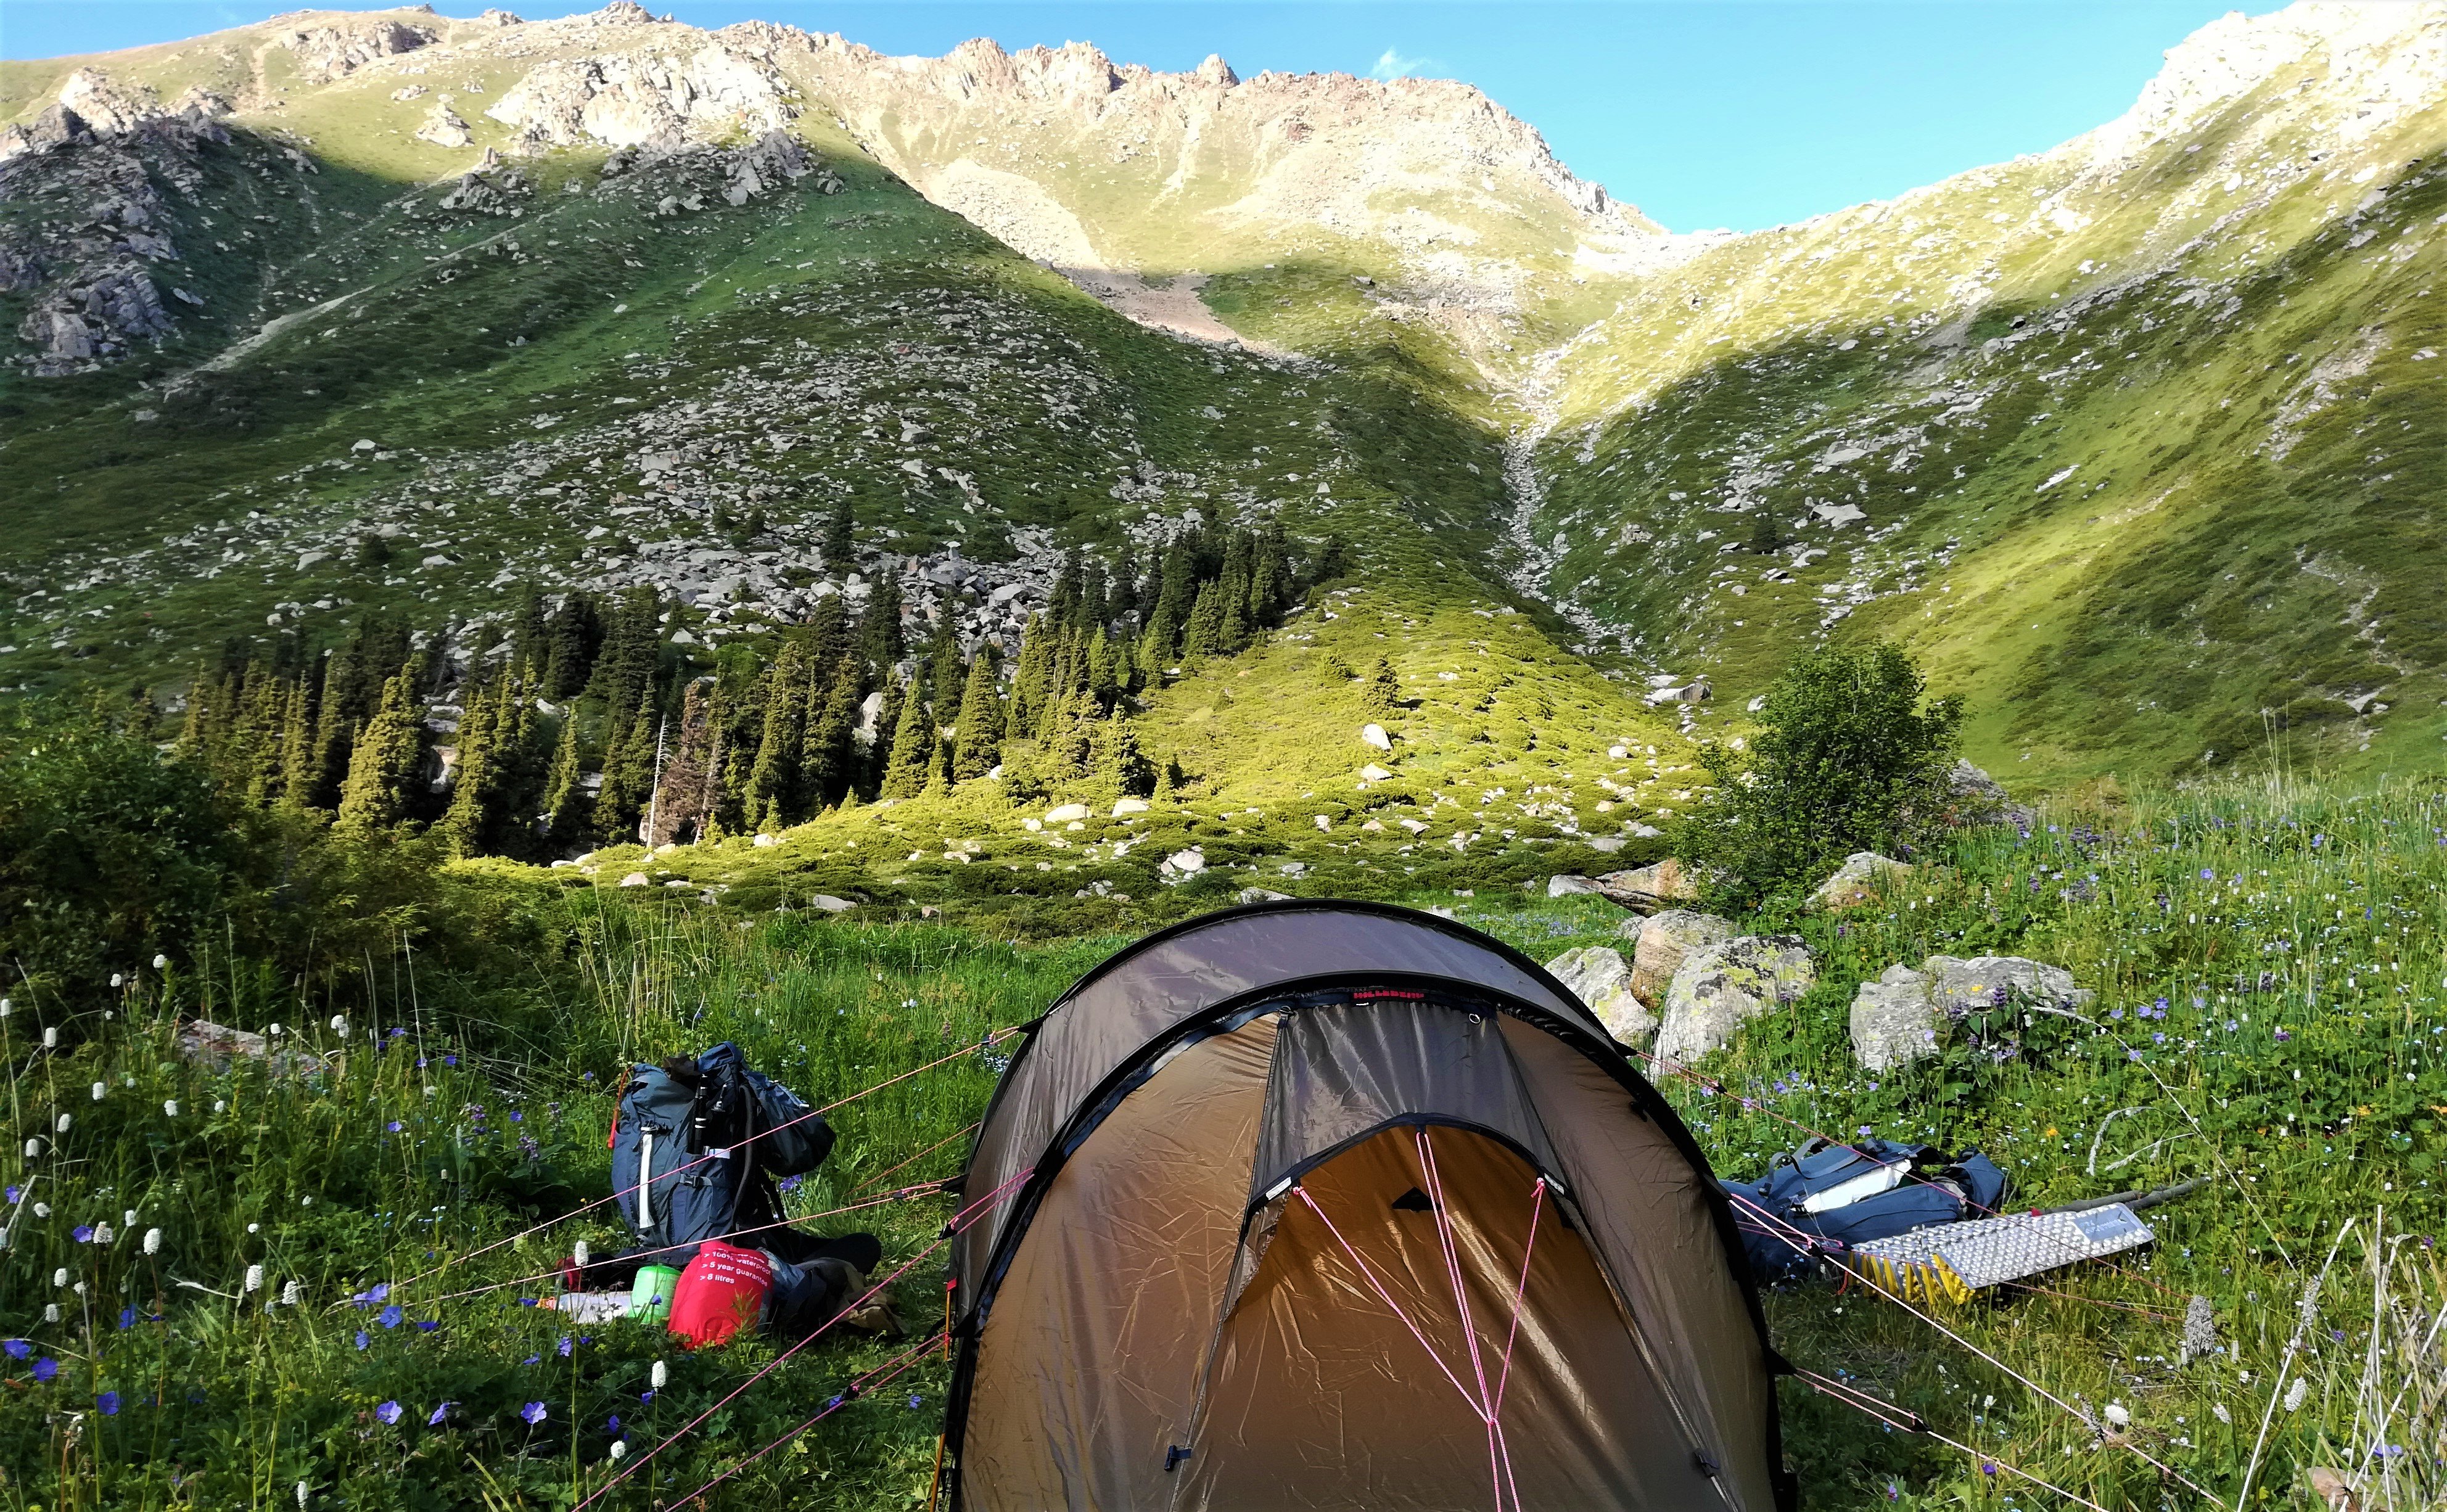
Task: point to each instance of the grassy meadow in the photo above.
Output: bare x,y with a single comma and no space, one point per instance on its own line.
2269,964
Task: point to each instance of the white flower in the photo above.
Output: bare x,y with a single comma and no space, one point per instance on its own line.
7,1008
578,1252
221,1104
118,980
78,1288
60,1277
62,1127
657,1376
41,1210
276,1032
100,1089
255,1228
101,1234
301,1494
292,1294
2295,1393
33,1147
161,961
340,1024
2222,1415
50,1312
169,1107
253,1279
152,1241
128,1218
619,1449
2116,1416
51,1038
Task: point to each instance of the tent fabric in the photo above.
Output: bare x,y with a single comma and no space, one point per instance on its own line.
1176,973
1219,1282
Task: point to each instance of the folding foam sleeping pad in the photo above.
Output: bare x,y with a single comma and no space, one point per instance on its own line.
1330,1204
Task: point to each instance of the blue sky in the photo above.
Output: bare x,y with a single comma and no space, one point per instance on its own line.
1740,113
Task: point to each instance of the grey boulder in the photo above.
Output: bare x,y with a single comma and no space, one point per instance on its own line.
1598,977
1908,1015
1665,940
1860,879
1719,988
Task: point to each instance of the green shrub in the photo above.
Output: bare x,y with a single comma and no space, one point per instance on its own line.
1848,758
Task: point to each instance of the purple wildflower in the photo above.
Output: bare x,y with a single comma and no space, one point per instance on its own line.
388,1412
439,1413
533,1412
18,1349
108,1403
83,1234
46,1368
391,1316
364,1338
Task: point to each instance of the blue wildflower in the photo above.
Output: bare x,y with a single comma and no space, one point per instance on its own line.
391,1316
108,1403
18,1349
439,1413
46,1368
388,1412
533,1412
364,1338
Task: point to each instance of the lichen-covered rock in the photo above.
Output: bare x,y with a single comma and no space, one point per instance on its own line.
1599,976
1720,988
1908,1015
1646,889
1665,940
1860,879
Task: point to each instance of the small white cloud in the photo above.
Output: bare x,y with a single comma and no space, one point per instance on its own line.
1393,65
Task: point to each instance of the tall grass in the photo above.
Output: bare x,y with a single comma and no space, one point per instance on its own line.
2271,969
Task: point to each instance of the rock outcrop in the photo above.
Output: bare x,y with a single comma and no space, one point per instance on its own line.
1665,940
651,98
1908,1015
1597,976
1720,988
1646,889
1861,879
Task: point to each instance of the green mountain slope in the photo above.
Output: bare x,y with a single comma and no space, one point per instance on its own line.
2136,441
2132,439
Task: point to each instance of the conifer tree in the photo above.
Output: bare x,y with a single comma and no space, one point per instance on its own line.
568,813
888,726
738,716
839,554
297,753
529,635
1068,755
1380,698
772,799
1122,602
1122,770
1028,680
945,671
830,640
1094,609
880,637
388,754
1202,636
828,771
629,773
571,639
1063,606
632,645
938,769
980,720
1270,580
1102,685
464,823
913,750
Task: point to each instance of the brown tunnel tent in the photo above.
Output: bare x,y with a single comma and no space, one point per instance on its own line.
1339,1205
